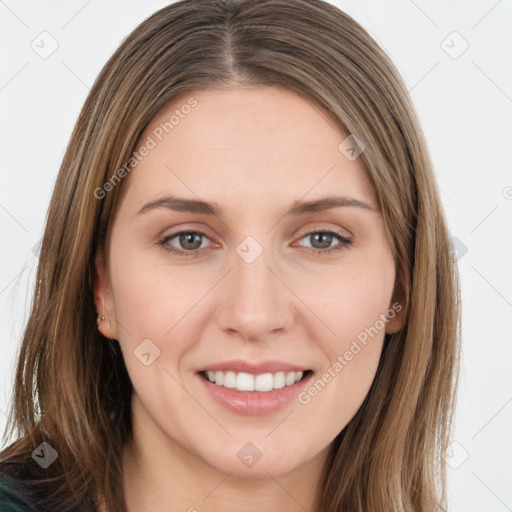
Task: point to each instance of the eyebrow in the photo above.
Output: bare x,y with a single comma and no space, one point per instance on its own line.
180,204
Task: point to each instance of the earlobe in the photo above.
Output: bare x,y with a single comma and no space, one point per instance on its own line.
103,299
396,323
392,326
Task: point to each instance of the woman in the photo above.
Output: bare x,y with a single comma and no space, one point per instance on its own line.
302,352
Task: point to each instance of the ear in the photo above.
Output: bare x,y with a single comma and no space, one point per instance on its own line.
103,299
395,321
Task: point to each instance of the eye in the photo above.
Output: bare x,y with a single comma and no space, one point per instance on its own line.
190,241
321,241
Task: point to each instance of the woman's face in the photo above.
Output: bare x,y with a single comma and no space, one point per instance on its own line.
248,296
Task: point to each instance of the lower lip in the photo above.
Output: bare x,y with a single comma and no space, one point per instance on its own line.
254,403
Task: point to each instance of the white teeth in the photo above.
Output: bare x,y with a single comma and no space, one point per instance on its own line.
263,382
245,382
229,380
290,378
279,380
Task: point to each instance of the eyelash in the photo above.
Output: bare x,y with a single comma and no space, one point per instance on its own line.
163,242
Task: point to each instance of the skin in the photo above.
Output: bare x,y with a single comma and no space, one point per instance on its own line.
254,151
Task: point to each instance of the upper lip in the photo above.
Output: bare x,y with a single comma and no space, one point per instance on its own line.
240,365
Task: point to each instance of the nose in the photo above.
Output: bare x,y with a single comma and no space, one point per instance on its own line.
255,302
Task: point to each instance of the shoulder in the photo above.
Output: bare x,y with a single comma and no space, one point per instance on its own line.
24,488
15,494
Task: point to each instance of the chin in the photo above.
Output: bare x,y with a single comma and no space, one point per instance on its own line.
246,459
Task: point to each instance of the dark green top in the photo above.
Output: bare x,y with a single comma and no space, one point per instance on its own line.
12,501
26,494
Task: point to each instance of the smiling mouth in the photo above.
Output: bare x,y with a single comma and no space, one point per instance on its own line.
262,383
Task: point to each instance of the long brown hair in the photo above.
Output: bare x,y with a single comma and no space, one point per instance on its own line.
72,388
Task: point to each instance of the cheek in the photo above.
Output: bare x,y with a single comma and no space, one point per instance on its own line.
358,295
358,306
157,301
353,300
151,296
151,303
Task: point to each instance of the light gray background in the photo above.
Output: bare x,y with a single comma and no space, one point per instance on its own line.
464,99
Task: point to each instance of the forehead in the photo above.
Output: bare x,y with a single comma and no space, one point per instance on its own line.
259,142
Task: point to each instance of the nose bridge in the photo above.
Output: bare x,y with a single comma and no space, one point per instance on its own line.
252,279
255,301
